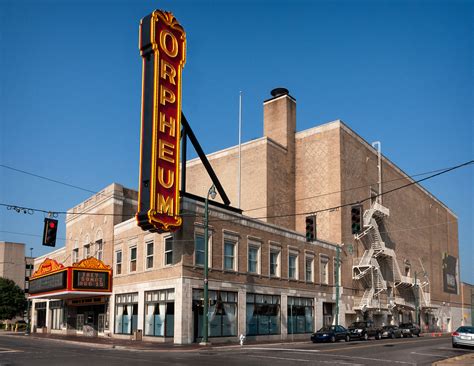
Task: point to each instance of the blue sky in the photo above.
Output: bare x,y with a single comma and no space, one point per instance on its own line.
70,83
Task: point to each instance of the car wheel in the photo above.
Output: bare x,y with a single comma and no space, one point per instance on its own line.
455,345
333,339
392,335
378,336
365,336
418,335
347,339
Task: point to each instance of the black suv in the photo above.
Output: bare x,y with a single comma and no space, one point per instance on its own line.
410,329
364,330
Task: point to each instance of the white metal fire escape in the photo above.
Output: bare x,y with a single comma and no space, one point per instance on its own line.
378,259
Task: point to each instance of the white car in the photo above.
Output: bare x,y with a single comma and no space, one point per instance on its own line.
463,336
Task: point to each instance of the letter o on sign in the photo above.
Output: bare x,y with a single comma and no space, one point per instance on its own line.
164,34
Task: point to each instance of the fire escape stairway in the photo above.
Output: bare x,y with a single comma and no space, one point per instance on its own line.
368,264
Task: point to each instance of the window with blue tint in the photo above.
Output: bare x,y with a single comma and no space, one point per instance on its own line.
263,314
253,259
199,250
229,255
300,315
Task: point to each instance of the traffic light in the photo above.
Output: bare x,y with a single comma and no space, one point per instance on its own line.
310,228
356,219
49,232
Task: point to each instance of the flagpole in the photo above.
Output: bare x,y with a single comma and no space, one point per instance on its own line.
240,151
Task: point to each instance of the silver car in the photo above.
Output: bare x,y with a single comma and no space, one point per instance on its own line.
463,336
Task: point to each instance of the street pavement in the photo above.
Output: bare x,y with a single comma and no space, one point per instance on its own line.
18,349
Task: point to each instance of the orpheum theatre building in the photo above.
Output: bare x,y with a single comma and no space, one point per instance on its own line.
373,253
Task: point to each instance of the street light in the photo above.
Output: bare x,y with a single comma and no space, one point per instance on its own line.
212,193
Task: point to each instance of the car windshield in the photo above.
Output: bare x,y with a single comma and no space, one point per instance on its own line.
386,327
358,325
405,325
326,329
469,330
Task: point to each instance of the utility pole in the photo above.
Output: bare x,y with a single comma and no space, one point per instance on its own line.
338,251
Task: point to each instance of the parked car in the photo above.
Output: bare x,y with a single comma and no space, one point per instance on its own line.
365,330
391,331
331,333
463,336
410,329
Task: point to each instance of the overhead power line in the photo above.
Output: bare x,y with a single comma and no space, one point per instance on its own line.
30,209
48,179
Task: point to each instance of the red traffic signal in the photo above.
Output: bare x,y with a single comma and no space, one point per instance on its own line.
49,232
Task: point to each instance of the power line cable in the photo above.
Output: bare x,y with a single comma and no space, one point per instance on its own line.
48,179
356,202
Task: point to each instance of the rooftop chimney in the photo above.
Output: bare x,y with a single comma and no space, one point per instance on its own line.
279,117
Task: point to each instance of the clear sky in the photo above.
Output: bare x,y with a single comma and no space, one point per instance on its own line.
70,82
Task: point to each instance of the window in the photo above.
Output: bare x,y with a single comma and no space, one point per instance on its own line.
87,250
222,312
300,315
99,248
159,313
229,254
337,270
133,259
292,266
126,313
323,265
149,255
169,250
253,259
263,314
199,250
75,255
118,262
75,252
309,269
275,262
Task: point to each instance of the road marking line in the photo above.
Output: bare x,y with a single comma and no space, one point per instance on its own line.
9,351
304,360
384,361
284,349
372,344
427,354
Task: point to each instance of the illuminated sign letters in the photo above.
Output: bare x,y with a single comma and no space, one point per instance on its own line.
163,51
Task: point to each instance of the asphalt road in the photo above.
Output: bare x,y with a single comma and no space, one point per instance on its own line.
20,350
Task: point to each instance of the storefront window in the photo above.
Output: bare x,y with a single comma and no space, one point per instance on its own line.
263,314
300,315
126,313
159,313
222,312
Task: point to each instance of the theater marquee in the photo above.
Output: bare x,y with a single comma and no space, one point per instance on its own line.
85,278
163,50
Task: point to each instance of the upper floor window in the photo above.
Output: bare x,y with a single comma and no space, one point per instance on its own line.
133,259
253,259
229,254
99,249
149,254
309,269
199,249
87,250
169,250
118,262
292,266
323,265
275,262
